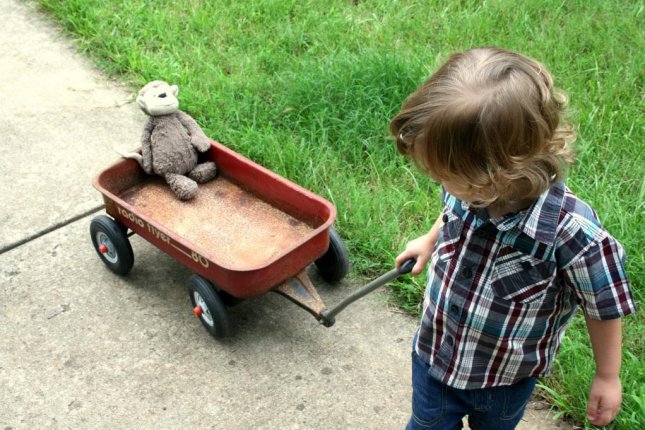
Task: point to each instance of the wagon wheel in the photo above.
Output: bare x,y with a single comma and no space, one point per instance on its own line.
334,265
111,243
208,306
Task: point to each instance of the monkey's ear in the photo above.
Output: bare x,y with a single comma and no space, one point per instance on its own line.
174,89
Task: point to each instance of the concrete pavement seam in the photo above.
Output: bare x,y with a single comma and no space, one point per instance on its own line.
50,229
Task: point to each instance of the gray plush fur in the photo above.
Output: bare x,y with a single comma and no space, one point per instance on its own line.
170,141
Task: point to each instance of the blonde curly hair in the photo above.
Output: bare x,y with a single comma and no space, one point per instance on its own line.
490,119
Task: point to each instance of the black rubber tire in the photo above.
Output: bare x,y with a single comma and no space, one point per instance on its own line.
334,265
106,231
215,317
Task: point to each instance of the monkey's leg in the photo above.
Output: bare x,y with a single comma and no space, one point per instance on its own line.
203,172
183,187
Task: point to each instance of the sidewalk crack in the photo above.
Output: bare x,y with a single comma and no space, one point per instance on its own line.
49,229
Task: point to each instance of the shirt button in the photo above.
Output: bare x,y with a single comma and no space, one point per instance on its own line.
454,310
444,218
466,272
450,340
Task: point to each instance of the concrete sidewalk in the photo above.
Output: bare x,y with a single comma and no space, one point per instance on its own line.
82,348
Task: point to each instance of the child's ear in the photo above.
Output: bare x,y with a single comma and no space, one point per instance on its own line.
174,89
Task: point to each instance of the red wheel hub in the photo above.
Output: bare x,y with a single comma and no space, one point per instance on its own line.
103,249
197,310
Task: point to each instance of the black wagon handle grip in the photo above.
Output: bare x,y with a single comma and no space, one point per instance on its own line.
327,315
407,266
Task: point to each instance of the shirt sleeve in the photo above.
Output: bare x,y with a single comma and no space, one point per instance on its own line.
599,281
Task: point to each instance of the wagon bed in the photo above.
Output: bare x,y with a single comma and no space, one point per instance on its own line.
227,224
247,231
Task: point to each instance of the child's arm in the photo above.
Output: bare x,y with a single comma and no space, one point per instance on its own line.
605,395
421,248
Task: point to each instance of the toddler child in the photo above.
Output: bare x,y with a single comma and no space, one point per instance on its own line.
514,251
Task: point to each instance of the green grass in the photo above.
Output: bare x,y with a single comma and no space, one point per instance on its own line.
307,89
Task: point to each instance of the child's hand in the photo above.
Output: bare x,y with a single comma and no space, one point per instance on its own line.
605,398
420,249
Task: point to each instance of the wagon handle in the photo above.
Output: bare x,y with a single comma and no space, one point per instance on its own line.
327,316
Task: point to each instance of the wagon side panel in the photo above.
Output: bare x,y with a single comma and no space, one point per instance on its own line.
190,258
273,188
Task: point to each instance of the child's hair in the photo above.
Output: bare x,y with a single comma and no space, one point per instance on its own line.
489,118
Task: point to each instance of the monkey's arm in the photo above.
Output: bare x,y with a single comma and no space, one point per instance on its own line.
197,136
146,151
145,157
132,155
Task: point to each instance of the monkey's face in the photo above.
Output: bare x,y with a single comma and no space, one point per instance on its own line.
158,98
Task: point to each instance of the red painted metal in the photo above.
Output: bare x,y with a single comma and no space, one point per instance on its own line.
264,184
197,310
103,249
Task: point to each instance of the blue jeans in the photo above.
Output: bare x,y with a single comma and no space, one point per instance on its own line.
436,406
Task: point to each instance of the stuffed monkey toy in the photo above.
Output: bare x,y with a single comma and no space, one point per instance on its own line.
170,141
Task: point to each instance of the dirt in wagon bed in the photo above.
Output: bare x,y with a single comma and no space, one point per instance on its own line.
231,226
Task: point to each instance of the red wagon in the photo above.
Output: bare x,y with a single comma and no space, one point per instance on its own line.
248,232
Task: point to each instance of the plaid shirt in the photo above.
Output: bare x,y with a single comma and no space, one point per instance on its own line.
501,291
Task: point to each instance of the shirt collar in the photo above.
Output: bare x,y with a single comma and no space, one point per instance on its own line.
542,219
539,221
